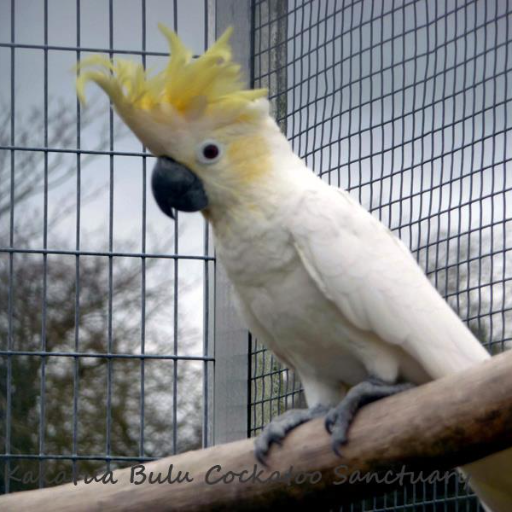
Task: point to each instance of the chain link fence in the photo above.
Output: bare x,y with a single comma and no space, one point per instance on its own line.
407,105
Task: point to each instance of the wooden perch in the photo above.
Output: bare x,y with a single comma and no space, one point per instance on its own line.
446,423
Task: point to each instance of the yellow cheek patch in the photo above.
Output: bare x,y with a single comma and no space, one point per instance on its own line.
250,158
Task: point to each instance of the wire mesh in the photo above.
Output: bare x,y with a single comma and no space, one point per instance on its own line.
406,104
101,364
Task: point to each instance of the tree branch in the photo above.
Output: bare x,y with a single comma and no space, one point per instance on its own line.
446,423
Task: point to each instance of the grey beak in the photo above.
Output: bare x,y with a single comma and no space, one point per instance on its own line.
175,186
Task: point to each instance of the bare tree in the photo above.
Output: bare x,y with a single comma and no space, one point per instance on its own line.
63,304
61,129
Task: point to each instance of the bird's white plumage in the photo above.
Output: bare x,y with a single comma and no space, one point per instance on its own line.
338,297
374,281
329,289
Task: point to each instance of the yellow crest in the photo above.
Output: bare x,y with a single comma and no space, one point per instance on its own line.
191,86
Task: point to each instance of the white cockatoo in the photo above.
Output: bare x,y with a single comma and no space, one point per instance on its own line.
329,289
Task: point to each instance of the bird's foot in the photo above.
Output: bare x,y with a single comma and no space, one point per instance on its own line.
276,430
339,418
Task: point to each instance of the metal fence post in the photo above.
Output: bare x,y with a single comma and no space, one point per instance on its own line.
231,337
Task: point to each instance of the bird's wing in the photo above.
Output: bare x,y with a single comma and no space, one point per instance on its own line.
376,283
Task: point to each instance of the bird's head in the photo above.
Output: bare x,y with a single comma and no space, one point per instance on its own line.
207,130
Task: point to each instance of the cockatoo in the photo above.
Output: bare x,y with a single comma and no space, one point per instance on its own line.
329,289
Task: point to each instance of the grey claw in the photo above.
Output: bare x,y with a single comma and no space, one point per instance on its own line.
339,418
336,449
271,435
339,438
261,454
329,423
337,425
276,431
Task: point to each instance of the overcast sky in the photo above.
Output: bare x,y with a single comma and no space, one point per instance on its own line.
29,94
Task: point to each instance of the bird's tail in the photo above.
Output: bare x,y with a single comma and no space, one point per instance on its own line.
491,479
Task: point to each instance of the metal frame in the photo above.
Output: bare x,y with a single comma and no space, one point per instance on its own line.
231,336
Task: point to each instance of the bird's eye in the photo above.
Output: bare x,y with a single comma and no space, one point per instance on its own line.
209,152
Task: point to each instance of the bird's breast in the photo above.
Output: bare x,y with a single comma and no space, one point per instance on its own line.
283,307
